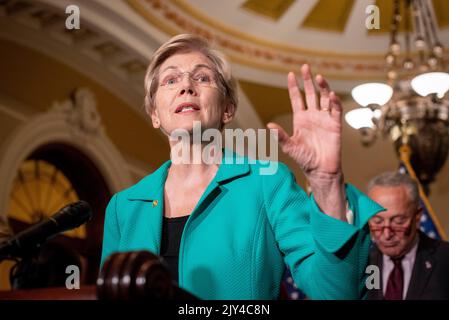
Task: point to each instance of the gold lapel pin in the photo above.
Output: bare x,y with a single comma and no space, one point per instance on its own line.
154,203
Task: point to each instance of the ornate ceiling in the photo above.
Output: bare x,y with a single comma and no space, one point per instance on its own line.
279,35
266,39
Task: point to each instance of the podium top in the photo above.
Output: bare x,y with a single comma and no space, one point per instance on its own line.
84,293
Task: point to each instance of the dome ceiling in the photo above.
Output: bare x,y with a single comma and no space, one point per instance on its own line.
279,35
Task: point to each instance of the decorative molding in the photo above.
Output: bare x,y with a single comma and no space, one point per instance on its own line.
72,122
11,112
176,17
80,112
89,50
113,60
179,16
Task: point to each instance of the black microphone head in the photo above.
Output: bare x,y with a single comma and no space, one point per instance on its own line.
72,215
25,242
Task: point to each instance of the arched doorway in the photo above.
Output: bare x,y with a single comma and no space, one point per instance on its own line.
67,151
51,177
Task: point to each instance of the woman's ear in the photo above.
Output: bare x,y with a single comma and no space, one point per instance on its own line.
155,118
228,114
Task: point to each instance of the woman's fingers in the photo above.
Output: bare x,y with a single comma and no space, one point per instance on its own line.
328,101
324,93
335,104
294,93
309,87
283,137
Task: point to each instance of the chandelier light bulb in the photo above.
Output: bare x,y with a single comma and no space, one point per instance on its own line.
408,64
360,118
438,50
389,59
432,61
372,93
395,48
420,43
392,75
377,113
431,83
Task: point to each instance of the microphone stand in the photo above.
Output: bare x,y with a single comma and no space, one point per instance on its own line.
22,268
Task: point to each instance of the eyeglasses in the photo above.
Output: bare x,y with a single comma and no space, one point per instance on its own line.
203,77
396,224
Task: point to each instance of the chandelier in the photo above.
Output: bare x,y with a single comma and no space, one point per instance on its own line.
412,108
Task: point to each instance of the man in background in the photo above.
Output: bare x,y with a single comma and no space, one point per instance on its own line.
412,265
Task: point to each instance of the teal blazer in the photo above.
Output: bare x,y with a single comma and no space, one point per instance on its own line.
243,231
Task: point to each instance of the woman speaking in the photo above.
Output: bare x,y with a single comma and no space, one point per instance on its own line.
225,230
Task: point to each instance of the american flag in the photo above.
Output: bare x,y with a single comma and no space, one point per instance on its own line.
289,287
427,224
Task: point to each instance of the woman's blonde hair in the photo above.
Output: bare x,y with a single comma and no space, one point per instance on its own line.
185,43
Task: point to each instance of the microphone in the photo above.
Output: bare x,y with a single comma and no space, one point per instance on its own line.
67,218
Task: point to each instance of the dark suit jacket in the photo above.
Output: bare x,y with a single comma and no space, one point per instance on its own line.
430,274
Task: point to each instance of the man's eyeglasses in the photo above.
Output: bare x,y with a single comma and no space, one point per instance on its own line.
397,223
203,76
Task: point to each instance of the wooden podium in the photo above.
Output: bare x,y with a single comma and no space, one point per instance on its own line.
84,293
134,275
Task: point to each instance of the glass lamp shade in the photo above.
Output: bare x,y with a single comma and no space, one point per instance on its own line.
372,93
360,118
431,82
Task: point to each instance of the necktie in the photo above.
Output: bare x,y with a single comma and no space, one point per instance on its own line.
395,284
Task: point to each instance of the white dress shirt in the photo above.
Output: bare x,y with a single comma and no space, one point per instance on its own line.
407,266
